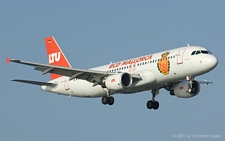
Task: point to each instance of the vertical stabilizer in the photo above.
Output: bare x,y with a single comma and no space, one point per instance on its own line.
55,55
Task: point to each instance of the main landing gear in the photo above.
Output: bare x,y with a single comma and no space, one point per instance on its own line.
152,104
107,100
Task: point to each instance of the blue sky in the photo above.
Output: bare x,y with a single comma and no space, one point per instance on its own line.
93,33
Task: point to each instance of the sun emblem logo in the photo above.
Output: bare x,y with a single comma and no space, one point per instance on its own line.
164,64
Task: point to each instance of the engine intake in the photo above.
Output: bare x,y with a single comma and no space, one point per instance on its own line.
118,81
182,89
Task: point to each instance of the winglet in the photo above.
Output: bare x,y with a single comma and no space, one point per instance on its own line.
7,60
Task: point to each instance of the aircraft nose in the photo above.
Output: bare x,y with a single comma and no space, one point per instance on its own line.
212,62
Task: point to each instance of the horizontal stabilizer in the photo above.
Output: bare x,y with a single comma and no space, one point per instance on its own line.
34,82
205,82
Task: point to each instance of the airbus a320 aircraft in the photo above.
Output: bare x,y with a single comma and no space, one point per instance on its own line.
173,70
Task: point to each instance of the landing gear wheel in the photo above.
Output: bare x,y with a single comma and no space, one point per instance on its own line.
190,90
155,105
104,100
110,100
152,104
149,104
107,100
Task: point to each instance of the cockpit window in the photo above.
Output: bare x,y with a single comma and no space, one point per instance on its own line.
201,52
193,53
209,52
205,52
198,52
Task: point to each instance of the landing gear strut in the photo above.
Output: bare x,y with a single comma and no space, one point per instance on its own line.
152,104
190,80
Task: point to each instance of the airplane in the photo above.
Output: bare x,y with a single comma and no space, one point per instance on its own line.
173,70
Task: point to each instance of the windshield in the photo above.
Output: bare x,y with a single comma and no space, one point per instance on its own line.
200,52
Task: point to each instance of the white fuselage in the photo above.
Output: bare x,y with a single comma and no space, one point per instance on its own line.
155,70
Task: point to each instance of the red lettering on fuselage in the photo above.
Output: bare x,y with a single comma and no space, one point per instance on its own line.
129,62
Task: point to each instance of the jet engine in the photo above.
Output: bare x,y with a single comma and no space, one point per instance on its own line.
118,81
184,90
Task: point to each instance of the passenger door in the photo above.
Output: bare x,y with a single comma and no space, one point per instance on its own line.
180,56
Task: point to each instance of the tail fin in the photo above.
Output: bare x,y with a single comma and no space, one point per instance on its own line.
55,55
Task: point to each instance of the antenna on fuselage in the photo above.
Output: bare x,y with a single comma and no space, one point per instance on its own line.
188,44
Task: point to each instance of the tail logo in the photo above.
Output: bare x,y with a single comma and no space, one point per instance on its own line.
54,57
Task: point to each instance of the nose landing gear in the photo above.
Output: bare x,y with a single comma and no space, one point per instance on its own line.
190,80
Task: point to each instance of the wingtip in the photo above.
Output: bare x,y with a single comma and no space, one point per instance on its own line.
7,60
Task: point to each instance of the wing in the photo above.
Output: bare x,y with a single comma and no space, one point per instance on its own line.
34,82
93,76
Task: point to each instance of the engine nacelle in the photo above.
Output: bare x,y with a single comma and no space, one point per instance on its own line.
181,89
118,81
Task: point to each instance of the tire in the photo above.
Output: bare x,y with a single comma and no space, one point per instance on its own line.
104,100
155,105
110,100
149,104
